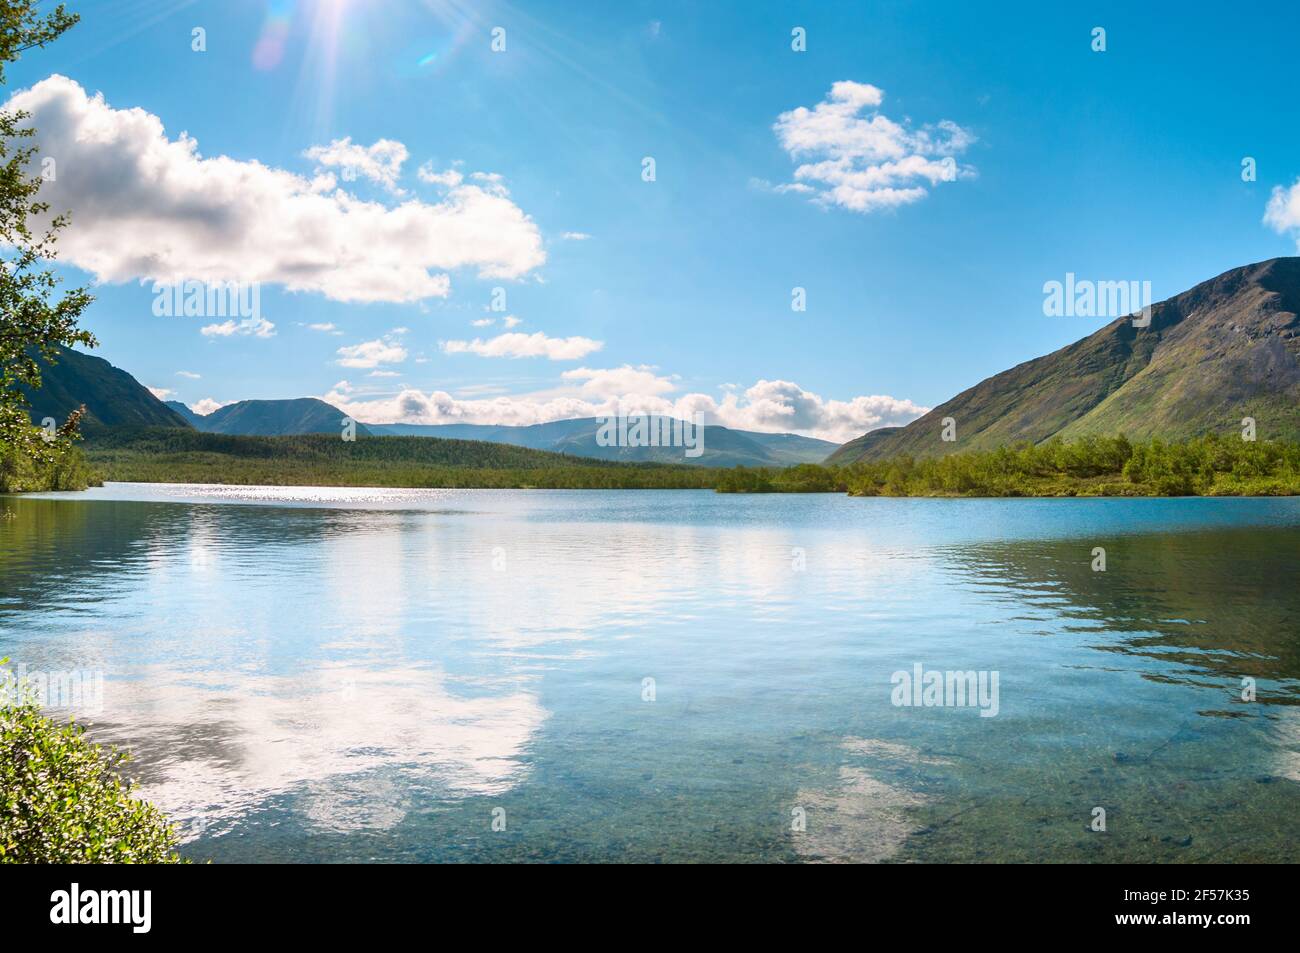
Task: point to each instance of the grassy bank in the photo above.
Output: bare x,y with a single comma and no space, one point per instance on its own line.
1093,466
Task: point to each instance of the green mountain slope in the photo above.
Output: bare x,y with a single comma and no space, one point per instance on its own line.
113,398
275,418
1226,349
723,447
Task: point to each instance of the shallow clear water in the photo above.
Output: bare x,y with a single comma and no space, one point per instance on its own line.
336,675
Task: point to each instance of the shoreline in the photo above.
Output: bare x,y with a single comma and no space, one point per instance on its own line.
222,485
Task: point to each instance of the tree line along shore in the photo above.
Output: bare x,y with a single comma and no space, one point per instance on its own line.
1090,466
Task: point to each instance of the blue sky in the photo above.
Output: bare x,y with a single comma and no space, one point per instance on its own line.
1115,165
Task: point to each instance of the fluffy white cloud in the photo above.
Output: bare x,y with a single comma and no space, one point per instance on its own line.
381,162
783,406
771,406
616,381
162,393
449,179
146,206
258,327
372,353
518,344
1283,211
866,162
207,405
490,180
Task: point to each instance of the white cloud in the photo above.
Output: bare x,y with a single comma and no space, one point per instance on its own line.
372,353
866,163
449,179
149,207
616,381
381,162
325,326
770,406
575,236
258,327
190,374
492,180
518,344
1283,211
783,406
510,321
483,322
162,393
207,405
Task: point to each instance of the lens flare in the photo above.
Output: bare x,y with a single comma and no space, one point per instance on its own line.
269,49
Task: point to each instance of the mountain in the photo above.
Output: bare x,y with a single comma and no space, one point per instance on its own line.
113,398
862,448
791,448
1228,348
274,418
536,437
723,447
190,416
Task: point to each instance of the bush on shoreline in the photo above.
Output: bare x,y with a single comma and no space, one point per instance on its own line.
64,470
32,459
63,802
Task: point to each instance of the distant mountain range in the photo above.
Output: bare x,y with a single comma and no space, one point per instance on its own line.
269,418
1228,348
114,398
723,447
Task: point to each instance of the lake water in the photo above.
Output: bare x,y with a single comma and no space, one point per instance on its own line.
396,675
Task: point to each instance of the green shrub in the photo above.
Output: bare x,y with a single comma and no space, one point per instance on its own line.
62,801
66,470
32,460
744,480
808,478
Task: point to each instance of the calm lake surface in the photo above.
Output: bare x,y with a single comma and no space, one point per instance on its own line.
380,675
